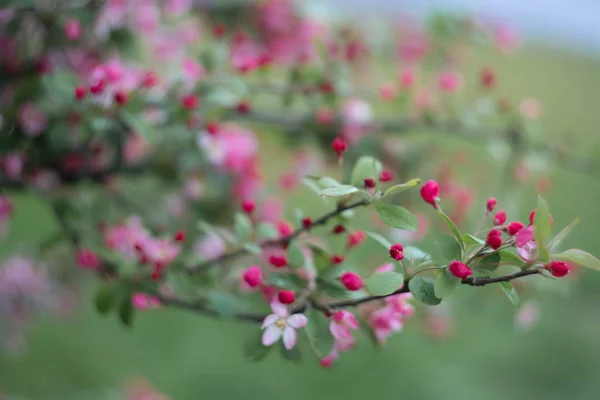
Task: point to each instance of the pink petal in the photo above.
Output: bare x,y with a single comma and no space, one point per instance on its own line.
279,309
340,331
271,335
270,320
297,321
289,337
524,236
351,321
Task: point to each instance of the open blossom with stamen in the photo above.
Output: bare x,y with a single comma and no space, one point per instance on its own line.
281,324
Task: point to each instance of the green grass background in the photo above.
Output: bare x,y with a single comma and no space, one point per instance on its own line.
191,357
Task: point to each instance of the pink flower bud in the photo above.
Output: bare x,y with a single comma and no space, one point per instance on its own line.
337,259
351,281
460,270
500,218
189,102
387,92
121,97
87,259
150,79
514,227
212,128
324,115
219,30
80,92
339,146
449,82
286,296
494,239
385,176
278,261
396,252
369,183
487,78
284,228
307,222
356,238
180,236
491,204
558,268
407,78
248,206
253,276
73,29
98,88
243,107
338,229
430,192
326,87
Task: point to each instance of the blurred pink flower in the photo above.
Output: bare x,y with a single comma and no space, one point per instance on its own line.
13,165
210,246
450,82
135,149
506,38
178,7
142,301
390,318
527,316
32,120
192,71
530,108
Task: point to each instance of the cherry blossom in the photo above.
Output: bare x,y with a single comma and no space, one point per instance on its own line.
281,324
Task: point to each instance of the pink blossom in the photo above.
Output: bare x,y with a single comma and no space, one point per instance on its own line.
525,244
210,246
13,165
413,47
147,18
125,237
177,7
271,209
135,149
142,301
192,71
142,390
450,82
162,251
407,77
387,91
530,108
32,120
390,318
387,267
73,29
341,324
281,324
505,38
232,149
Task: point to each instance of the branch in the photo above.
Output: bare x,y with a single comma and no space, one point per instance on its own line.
282,241
201,308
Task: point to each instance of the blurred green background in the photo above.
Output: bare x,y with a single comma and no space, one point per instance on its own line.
191,357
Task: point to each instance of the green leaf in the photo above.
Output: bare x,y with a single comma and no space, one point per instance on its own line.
60,84
254,350
365,167
415,253
449,249
558,239
137,124
578,257
507,257
384,283
225,304
445,283
511,293
294,354
295,255
126,312
242,226
393,190
397,217
253,248
285,281
321,257
325,182
105,298
452,227
490,262
471,240
341,190
379,238
423,290
317,331
265,230
541,228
